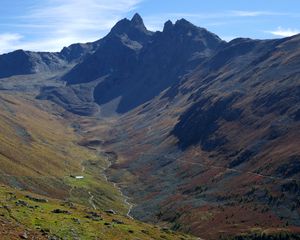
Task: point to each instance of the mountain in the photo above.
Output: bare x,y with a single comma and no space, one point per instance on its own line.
201,135
78,51
251,67
117,50
223,151
54,187
22,62
130,55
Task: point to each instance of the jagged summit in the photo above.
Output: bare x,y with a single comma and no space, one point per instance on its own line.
183,22
168,25
179,24
138,22
137,19
185,25
213,127
182,25
132,53
135,24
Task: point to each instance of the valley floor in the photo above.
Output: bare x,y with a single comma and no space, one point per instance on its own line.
88,168
55,188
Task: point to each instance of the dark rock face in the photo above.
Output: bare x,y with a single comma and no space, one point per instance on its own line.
10,61
297,115
22,62
117,52
278,101
25,62
290,168
40,200
72,99
200,123
147,62
291,187
77,52
244,66
129,61
94,216
160,64
243,157
60,211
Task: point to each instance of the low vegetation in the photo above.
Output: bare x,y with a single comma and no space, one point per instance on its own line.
55,219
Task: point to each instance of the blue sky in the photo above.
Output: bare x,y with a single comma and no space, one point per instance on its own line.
48,25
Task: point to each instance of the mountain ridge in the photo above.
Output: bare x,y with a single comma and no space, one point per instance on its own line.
207,131
135,56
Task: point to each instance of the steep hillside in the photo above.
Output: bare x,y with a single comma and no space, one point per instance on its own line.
22,62
131,60
224,151
230,161
39,152
27,216
40,197
200,134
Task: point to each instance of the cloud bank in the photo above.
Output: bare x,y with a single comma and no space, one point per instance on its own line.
284,32
59,23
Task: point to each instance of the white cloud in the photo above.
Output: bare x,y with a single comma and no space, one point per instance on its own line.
254,13
155,22
284,32
224,14
13,41
8,41
52,24
228,38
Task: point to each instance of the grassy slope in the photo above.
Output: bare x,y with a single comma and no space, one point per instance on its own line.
35,143
38,217
38,153
191,191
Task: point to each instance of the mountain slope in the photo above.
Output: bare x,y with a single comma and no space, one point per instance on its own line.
40,155
116,52
130,55
39,152
35,217
22,62
224,152
203,135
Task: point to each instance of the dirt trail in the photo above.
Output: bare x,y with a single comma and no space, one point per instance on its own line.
126,198
91,196
235,170
91,200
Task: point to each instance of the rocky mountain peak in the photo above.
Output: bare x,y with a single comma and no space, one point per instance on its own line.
136,24
183,22
182,25
137,21
183,30
168,25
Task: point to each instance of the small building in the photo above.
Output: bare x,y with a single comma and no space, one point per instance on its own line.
77,177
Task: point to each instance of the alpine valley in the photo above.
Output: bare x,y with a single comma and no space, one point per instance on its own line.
174,134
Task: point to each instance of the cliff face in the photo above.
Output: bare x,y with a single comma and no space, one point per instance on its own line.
131,60
21,63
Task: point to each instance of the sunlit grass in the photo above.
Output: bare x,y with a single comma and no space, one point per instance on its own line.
75,223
